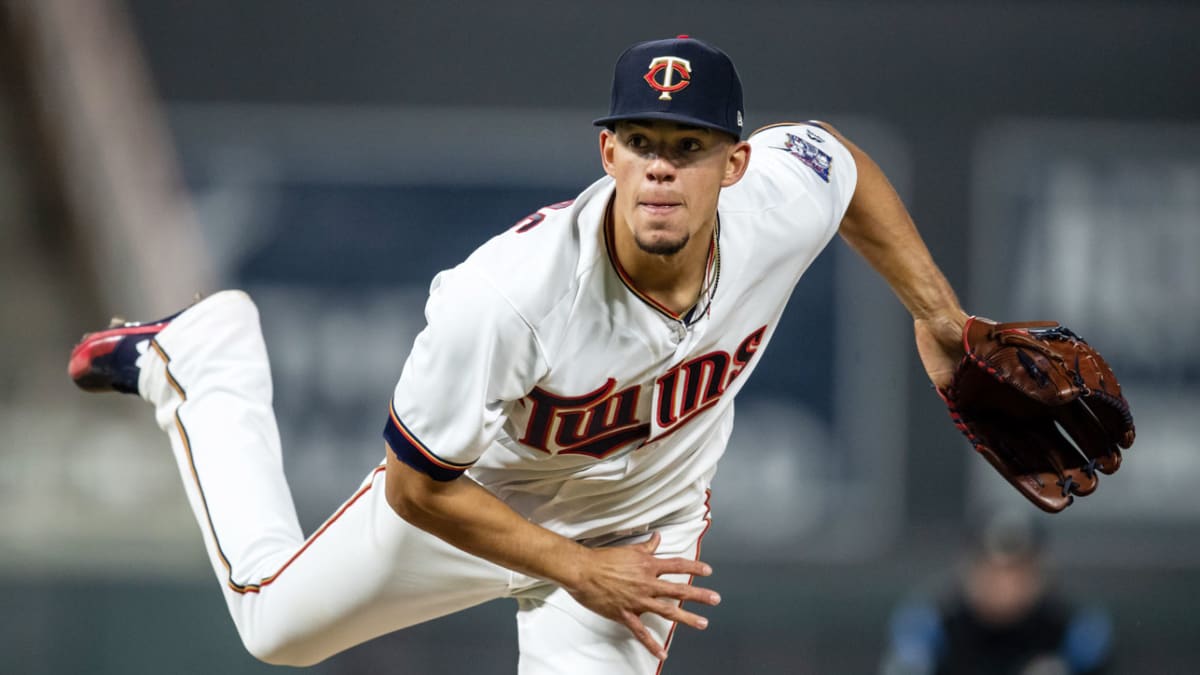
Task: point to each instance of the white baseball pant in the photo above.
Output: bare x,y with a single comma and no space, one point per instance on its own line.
365,572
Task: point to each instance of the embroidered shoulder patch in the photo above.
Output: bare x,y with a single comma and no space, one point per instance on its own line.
809,154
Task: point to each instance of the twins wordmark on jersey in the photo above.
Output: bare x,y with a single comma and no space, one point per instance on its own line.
602,421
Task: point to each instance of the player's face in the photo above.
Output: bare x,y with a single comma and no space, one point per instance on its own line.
669,177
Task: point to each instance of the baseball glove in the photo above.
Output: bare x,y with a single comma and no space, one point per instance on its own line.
1042,406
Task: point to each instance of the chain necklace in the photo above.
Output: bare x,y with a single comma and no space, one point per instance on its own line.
709,290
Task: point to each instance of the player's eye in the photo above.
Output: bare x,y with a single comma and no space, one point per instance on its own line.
637,142
691,145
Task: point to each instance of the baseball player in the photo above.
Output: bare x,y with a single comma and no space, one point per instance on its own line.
558,422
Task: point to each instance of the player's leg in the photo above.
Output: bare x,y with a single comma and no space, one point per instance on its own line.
557,638
366,572
558,635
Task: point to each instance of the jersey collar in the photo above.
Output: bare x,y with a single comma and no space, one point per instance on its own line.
712,274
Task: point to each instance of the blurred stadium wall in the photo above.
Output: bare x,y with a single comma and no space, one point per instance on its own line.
331,157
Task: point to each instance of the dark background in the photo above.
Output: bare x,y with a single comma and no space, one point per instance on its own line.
936,76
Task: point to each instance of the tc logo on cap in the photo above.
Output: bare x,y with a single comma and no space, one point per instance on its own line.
668,67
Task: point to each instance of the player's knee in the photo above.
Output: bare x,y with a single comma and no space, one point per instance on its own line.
278,652
241,308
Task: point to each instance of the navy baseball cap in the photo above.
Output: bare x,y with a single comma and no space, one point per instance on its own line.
681,79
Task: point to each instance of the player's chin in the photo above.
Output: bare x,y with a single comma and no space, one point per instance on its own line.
661,242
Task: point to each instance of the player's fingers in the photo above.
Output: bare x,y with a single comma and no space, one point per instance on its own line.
651,544
634,623
687,593
673,612
694,568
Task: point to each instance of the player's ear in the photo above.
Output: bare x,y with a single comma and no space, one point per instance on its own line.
736,164
608,146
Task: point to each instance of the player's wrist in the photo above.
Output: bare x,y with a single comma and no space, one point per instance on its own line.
949,316
570,568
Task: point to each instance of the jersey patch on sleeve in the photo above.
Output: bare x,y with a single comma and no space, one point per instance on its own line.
809,155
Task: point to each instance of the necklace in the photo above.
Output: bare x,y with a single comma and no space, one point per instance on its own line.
711,280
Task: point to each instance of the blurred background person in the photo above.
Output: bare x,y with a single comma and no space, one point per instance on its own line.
1000,616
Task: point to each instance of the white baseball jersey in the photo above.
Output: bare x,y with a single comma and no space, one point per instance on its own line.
543,372
581,402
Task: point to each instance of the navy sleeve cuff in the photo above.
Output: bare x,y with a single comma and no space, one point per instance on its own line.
410,450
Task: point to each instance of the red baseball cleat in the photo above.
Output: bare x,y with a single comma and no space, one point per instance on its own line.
107,360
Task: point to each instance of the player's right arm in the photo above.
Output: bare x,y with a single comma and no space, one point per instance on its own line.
476,353
619,583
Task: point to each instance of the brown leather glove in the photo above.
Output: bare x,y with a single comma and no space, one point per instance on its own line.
1017,386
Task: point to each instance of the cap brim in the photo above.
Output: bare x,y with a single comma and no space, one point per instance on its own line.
669,116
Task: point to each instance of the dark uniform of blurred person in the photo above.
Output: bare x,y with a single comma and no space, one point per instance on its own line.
999,617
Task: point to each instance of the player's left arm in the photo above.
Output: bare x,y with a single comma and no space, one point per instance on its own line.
877,225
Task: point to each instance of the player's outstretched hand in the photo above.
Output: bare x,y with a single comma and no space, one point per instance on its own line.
622,583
